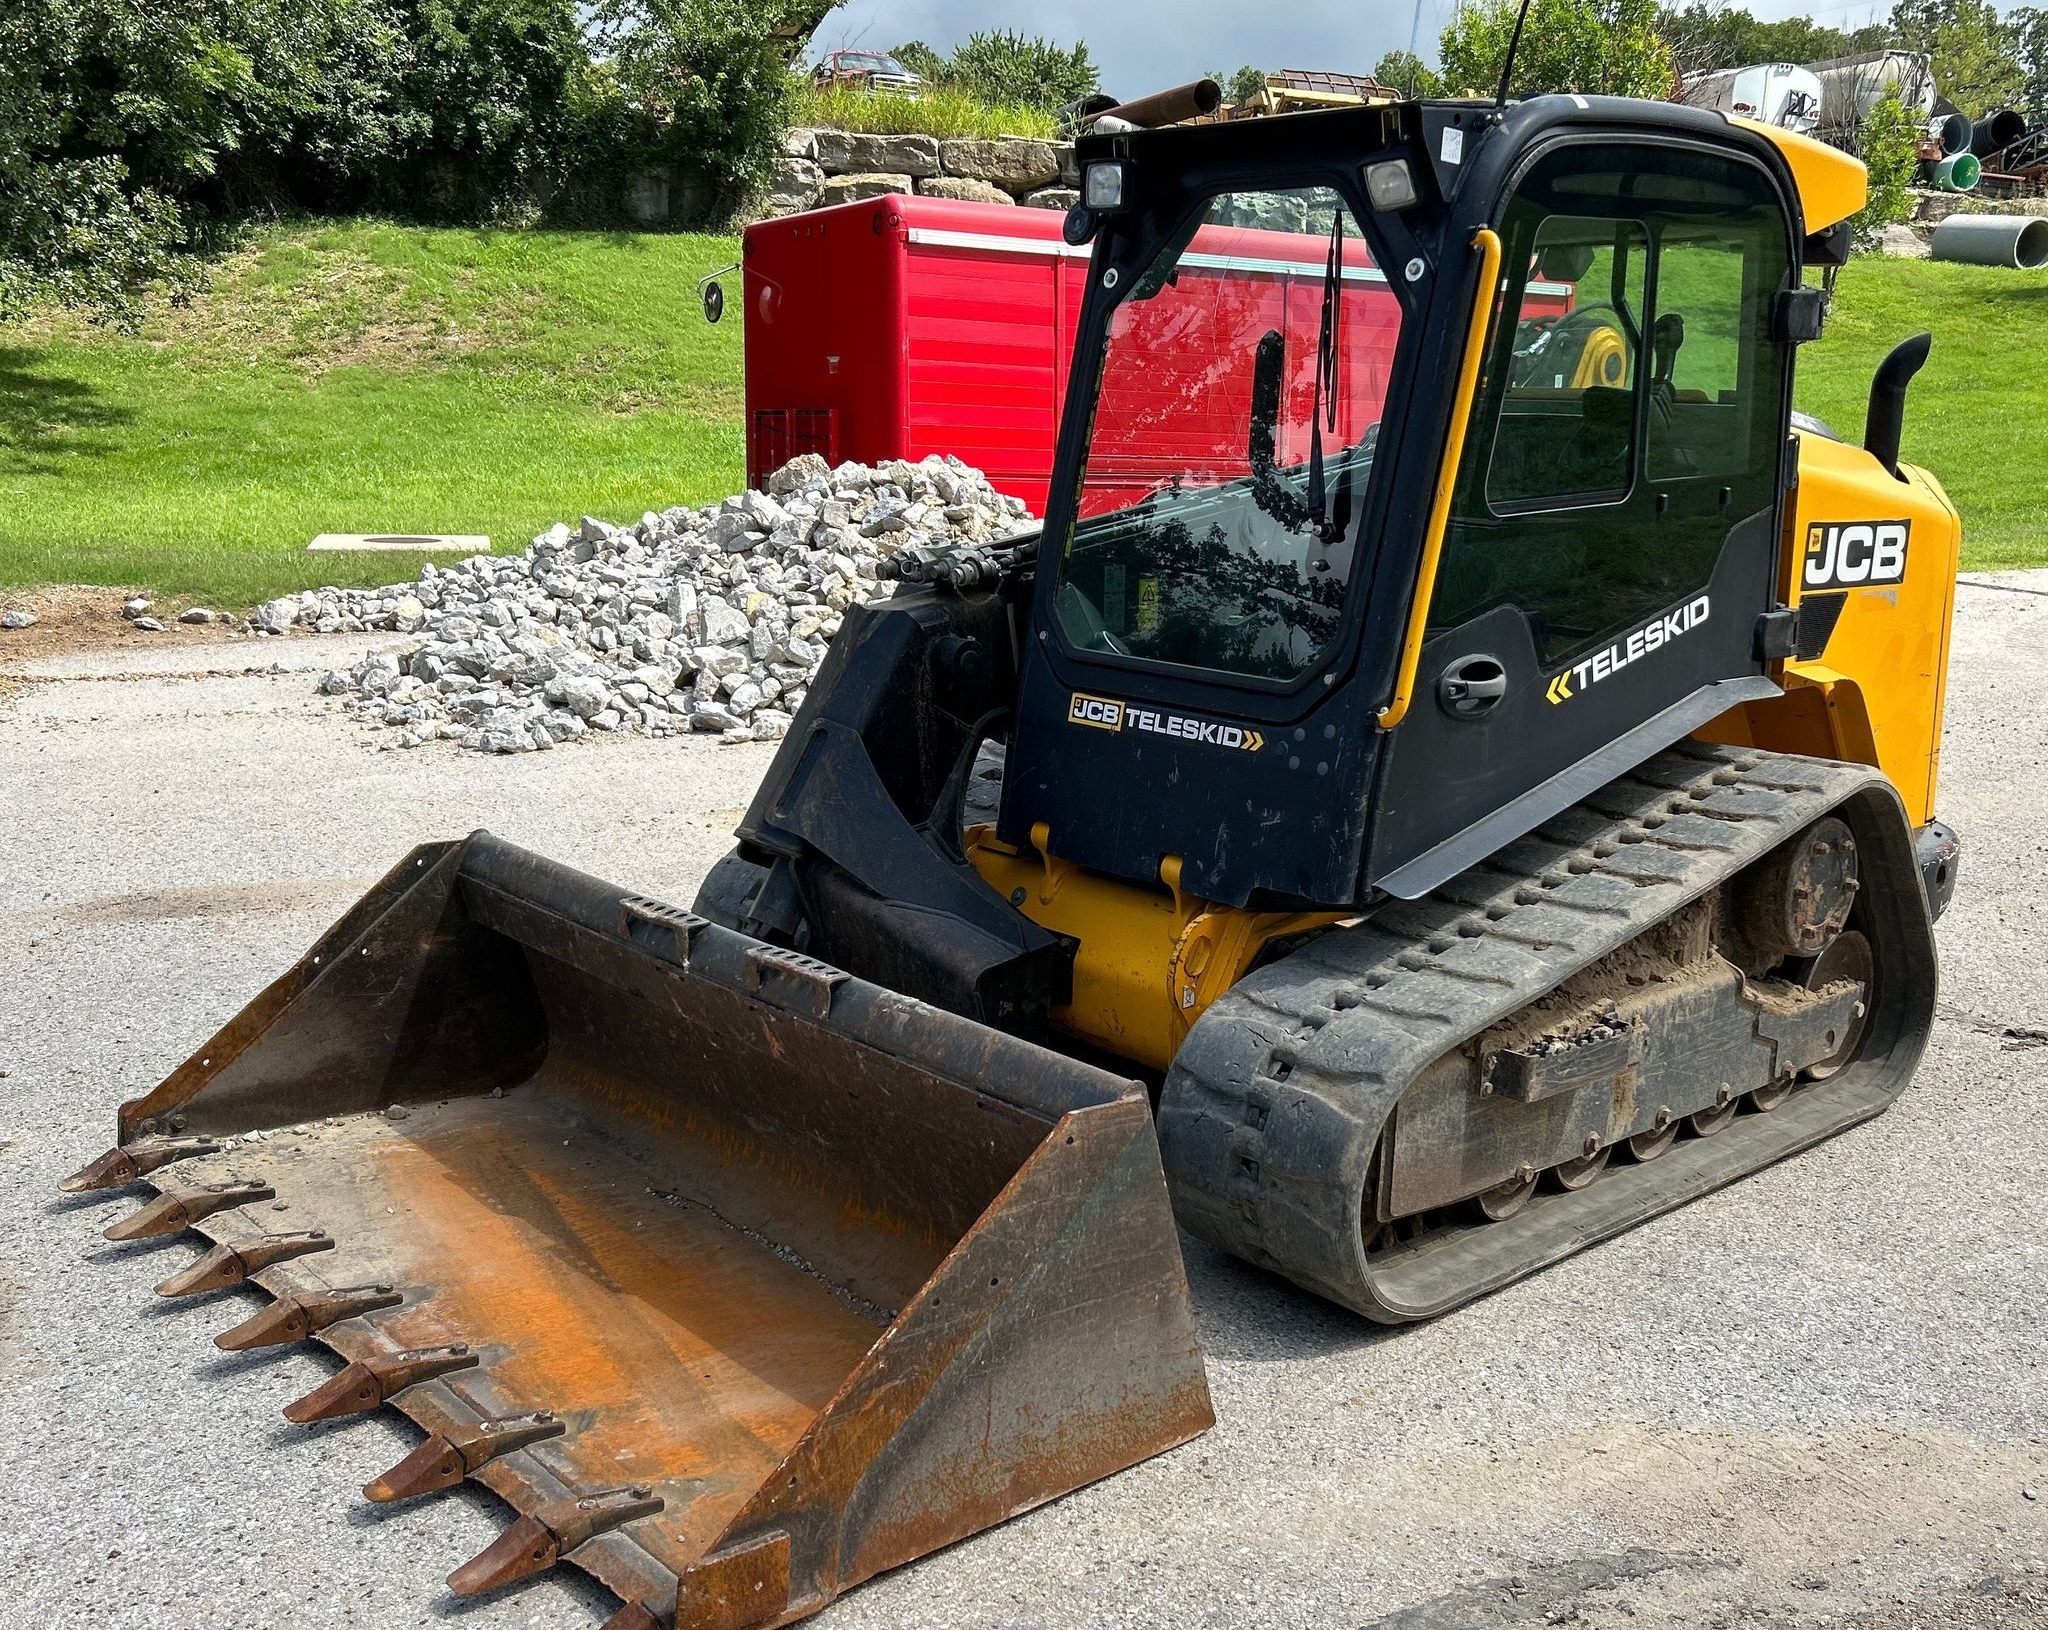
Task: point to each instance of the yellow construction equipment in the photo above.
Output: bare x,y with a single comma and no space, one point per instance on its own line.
1456,778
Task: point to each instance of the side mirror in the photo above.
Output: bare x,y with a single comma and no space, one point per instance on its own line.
1564,262
714,301
1269,368
1269,492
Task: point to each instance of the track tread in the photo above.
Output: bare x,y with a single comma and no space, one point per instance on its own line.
1272,1111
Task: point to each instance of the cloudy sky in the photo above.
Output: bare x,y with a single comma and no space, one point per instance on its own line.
1146,45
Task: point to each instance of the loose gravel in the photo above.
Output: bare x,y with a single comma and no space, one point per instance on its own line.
710,620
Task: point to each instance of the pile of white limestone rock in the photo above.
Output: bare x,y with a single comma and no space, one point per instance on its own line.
711,620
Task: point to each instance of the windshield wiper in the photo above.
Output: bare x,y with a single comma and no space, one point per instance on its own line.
1328,529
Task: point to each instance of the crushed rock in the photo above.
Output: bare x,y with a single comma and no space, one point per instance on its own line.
710,620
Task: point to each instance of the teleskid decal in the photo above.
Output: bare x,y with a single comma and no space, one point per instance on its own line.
1851,553
1633,648
1104,713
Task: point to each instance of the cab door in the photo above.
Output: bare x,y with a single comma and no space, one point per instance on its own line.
1616,519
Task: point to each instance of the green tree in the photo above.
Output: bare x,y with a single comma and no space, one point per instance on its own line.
1592,47
128,128
1976,52
706,86
1005,68
2032,24
1890,150
921,60
1243,85
1704,36
475,114
1409,74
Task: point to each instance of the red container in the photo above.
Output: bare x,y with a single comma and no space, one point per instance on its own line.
905,326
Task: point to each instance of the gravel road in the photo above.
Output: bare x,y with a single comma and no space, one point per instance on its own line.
1818,1398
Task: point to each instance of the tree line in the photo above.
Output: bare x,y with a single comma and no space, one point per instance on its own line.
1982,59
136,134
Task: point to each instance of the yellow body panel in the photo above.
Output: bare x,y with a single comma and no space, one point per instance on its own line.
1150,960
1875,696
1832,185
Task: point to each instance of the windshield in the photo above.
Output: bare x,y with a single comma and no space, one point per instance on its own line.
1242,383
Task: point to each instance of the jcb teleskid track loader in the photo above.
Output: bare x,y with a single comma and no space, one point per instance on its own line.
1464,745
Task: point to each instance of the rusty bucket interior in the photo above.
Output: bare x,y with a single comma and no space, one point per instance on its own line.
740,1279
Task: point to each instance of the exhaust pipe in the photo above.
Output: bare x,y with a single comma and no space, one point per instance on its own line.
1183,102
1887,418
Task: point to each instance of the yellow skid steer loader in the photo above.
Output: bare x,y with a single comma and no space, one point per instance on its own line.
1454,779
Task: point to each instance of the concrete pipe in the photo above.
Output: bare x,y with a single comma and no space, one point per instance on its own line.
1995,132
1953,130
1959,172
1994,240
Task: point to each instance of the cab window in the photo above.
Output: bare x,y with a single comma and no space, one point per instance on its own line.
1627,413
1567,424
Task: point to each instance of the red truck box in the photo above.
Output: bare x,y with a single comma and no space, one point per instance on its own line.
905,326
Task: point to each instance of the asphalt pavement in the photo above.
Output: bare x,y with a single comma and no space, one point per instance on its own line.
1817,1398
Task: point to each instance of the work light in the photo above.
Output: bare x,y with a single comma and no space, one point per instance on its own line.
1102,188
1390,184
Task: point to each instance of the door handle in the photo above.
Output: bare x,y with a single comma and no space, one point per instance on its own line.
1472,686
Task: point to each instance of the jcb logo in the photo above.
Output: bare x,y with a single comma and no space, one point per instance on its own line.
1096,711
1846,555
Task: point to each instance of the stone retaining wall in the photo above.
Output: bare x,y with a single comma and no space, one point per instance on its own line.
823,167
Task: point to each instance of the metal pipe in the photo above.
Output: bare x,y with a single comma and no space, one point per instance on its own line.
1995,132
1886,422
1994,240
1172,107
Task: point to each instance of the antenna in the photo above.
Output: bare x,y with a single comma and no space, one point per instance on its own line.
1507,68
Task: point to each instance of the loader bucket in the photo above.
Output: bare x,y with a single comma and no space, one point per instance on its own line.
740,1279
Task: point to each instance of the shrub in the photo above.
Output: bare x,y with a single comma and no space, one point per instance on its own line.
1890,143
1008,68
470,118
124,124
711,81
939,112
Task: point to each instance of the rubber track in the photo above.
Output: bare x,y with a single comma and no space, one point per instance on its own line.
1272,1111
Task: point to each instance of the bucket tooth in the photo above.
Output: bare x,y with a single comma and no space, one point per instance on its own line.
447,1457
295,1318
228,1265
536,1543
175,1210
636,1616
117,1168
369,1381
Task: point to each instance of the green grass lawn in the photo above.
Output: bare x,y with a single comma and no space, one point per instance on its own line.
364,377
1978,414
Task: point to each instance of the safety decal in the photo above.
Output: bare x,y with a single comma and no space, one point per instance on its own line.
1652,636
1104,713
1851,554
